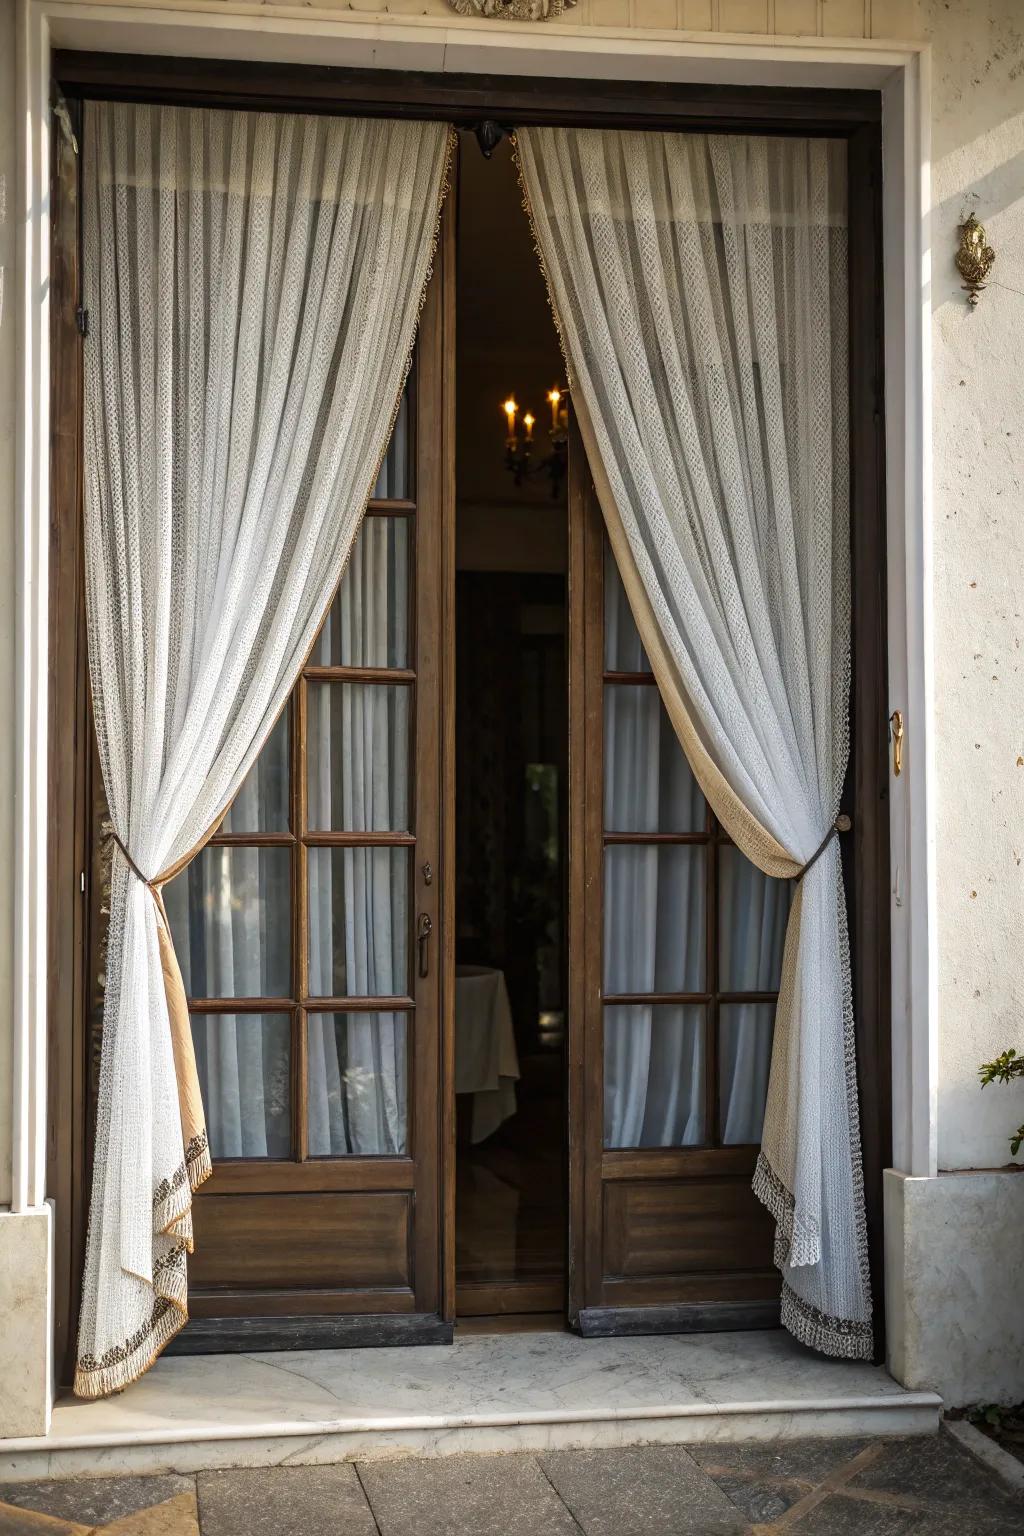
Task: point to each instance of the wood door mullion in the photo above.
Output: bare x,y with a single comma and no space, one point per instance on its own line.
590,897
577,1033
425,873
300,924
446,874
710,1020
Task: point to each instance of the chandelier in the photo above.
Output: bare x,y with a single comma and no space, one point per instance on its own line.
520,442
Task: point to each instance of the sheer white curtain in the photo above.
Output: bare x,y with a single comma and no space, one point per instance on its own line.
700,283
253,283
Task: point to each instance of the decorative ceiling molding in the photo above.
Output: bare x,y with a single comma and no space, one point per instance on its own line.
512,10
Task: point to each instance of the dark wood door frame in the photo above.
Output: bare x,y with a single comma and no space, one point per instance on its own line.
467,100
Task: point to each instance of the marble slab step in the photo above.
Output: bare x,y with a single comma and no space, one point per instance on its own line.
485,1392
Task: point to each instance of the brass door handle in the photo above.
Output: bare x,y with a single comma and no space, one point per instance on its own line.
424,928
896,737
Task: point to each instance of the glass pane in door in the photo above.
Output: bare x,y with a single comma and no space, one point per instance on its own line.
357,1084
654,1075
654,926
368,621
244,1066
357,757
358,920
230,917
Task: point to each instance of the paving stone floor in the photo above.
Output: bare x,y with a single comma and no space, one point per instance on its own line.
916,1487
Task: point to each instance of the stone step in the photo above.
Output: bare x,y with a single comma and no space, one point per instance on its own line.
484,1393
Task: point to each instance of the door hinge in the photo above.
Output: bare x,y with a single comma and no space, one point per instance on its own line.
82,320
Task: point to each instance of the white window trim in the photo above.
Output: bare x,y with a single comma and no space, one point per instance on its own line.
262,32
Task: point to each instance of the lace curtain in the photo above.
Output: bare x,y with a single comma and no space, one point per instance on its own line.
700,284
253,282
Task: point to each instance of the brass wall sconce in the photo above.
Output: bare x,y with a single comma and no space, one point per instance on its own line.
974,259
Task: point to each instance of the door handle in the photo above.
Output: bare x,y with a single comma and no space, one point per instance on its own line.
424,928
896,734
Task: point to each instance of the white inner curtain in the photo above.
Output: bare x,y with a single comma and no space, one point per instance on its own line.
700,283
229,911
253,283
655,924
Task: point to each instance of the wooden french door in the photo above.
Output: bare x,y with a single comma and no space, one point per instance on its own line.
311,1244
665,1229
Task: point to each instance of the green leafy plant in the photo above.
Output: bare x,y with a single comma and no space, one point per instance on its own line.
1003,1070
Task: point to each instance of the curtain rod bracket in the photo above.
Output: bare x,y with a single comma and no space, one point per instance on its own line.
489,135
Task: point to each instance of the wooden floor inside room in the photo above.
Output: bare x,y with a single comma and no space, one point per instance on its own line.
510,1193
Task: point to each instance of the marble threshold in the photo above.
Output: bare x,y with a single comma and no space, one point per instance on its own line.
485,1392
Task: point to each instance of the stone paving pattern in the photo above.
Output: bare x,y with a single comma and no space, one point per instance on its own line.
915,1487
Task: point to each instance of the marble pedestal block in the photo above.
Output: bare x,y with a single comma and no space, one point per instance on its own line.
25,1354
954,1256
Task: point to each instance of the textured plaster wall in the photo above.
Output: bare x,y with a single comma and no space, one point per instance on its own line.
7,365
978,382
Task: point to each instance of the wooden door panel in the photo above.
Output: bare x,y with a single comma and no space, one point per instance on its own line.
679,1296
345,1307
302,1242
702,1226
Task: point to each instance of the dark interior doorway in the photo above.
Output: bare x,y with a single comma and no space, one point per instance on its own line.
511,760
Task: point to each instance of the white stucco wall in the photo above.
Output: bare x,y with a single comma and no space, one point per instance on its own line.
7,366
978,384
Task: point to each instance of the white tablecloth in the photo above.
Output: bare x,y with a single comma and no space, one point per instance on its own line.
486,1063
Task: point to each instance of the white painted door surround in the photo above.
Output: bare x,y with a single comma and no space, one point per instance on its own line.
441,45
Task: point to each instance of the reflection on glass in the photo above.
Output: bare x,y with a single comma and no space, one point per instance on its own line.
744,1058
753,910
357,1084
394,483
648,784
244,1065
357,757
261,804
358,921
654,1075
368,624
654,897
230,917
623,651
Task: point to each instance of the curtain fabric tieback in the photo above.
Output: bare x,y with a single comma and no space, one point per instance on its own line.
194,1138
150,885
841,824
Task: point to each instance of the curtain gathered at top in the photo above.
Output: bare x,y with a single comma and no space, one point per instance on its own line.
700,286
253,283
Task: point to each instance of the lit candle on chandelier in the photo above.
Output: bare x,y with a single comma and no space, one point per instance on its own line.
528,421
554,398
510,408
